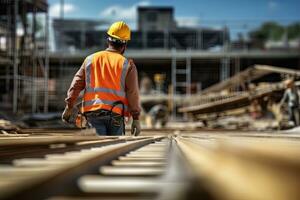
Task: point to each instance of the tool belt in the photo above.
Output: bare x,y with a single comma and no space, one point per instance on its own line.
108,114
102,113
97,113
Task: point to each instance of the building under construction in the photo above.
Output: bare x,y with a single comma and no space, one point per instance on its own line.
24,55
191,58
221,131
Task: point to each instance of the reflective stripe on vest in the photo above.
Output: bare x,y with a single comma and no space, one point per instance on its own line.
96,97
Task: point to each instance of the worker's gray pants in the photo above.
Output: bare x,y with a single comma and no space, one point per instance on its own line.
105,126
294,115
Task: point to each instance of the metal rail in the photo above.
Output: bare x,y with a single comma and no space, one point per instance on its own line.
210,165
37,149
44,177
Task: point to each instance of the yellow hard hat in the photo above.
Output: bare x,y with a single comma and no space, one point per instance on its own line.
119,30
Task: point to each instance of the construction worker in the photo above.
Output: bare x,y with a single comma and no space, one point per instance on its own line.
107,77
291,96
158,114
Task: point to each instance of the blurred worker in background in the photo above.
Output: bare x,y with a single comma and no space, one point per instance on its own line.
146,86
255,109
110,83
291,96
158,114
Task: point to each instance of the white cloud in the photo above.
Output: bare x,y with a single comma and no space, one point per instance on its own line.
273,5
55,9
187,21
118,12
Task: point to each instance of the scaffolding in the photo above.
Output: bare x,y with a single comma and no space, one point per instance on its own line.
26,72
181,78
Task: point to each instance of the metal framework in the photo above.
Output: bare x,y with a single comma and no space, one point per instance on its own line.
181,78
26,74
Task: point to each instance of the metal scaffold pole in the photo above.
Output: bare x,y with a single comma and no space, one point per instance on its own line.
188,72
237,69
166,38
174,85
46,94
61,59
225,61
225,68
15,58
9,48
34,67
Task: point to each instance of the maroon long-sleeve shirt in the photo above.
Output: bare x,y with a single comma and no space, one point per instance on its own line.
131,89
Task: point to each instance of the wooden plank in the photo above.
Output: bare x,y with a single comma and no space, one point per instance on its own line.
101,184
125,158
44,184
234,102
236,168
131,171
138,163
251,73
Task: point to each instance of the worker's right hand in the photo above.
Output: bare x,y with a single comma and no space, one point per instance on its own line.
135,127
66,115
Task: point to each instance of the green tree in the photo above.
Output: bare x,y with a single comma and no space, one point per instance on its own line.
294,30
268,31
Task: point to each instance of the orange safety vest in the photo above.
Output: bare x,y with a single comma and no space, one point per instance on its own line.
105,74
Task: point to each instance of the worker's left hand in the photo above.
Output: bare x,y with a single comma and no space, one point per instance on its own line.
135,127
66,115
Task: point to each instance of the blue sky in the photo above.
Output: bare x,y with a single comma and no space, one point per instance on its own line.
238,15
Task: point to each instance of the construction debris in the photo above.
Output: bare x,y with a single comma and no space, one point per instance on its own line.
7,127
257,102
248,75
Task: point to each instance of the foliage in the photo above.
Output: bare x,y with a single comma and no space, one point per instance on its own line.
294,30
275,31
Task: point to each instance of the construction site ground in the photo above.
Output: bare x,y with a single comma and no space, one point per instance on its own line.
168,163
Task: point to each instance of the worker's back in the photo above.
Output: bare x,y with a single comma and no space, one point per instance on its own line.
105,81
108,67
